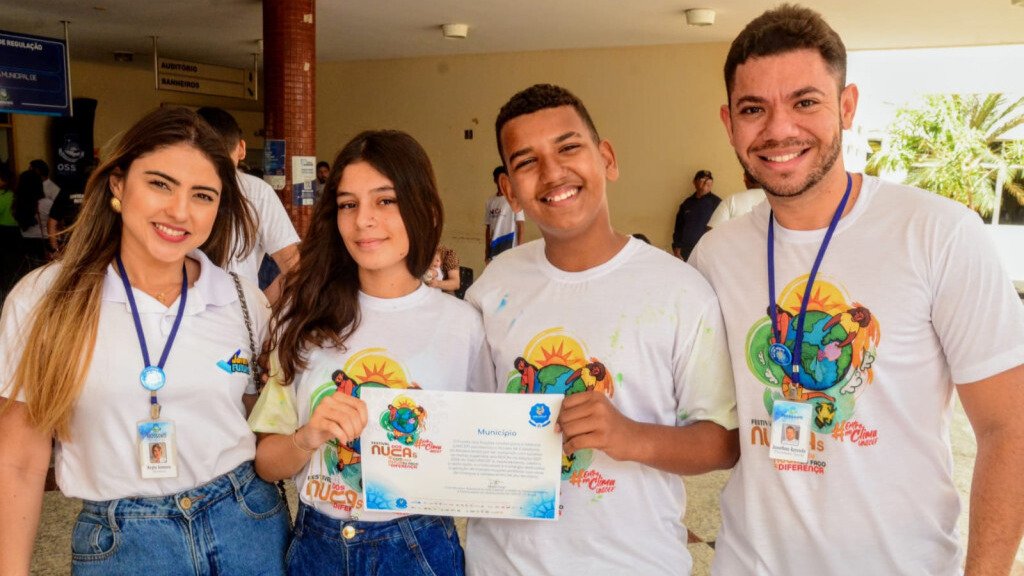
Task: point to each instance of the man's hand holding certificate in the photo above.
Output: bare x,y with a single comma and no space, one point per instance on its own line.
461,453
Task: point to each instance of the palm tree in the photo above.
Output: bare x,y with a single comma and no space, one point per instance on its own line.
952,146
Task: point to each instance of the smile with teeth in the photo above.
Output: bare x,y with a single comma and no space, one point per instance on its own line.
784,157
169,231
565,195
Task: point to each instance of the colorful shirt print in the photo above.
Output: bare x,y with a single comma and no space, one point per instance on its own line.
838,352
556,363
336,476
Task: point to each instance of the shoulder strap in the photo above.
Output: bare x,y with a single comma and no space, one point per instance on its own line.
254,365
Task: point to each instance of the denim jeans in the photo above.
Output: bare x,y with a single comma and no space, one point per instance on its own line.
234,524
407,546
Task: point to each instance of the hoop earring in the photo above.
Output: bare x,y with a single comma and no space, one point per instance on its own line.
115,204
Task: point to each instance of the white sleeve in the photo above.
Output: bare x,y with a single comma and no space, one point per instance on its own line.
976,312
702,371
273,225
481,367
721,213
15,324
482,363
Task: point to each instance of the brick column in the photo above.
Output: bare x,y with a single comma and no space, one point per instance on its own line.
289,72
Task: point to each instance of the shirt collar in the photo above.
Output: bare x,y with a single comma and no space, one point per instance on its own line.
214,287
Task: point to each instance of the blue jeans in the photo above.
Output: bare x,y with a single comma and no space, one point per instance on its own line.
234,524
407,546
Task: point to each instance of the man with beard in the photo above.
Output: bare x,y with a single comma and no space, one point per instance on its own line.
937,315
323,170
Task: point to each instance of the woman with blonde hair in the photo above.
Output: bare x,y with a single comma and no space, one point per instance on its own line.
135,337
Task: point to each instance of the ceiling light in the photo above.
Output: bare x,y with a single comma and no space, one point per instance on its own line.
124,56
705,16
455,31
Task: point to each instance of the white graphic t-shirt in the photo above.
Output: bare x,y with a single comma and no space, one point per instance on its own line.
910,299
427,339
645,329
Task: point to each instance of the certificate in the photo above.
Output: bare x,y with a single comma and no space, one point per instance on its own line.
462,453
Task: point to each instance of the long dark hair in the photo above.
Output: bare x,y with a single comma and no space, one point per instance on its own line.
320,302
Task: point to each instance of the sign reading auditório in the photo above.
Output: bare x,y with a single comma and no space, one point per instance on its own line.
199,78
33,75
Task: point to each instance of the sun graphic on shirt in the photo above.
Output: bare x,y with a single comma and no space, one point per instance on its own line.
555,346
372,365
824,297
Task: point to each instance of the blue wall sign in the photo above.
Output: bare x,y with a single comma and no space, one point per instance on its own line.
33,75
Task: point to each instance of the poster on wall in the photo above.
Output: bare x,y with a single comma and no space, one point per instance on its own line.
273,163
303,175
33,75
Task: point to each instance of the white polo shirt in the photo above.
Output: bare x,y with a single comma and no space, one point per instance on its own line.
203,395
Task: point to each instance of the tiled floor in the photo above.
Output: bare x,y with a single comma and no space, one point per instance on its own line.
53,544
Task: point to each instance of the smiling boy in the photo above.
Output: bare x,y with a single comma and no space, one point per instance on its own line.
632,336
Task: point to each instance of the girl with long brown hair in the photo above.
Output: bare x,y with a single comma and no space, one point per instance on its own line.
355,314
135,338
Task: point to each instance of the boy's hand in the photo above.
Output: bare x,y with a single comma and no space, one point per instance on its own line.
590,420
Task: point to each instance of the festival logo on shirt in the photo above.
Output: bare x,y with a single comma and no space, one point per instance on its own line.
555,362
836,366
338,476
236,363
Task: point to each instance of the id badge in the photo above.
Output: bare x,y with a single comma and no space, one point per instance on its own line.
158,456
791,431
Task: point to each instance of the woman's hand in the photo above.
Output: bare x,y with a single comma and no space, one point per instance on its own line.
338,416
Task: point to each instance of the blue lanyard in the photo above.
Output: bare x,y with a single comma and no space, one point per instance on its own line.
152,377
778,351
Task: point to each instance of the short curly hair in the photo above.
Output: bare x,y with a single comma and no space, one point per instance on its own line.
784,29
540,97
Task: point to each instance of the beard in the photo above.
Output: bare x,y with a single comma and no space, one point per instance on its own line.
817,174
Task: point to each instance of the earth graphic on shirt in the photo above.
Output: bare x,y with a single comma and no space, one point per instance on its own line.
373,368
840,338
554,362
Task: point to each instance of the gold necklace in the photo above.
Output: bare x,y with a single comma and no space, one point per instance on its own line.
166,294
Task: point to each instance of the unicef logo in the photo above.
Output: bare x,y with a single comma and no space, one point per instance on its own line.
401,504
780,354
540,415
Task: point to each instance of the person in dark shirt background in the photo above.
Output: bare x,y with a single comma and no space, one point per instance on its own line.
693,215
64,211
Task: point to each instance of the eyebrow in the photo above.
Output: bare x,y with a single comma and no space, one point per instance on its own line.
792,95
558,140
372,191
177,183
